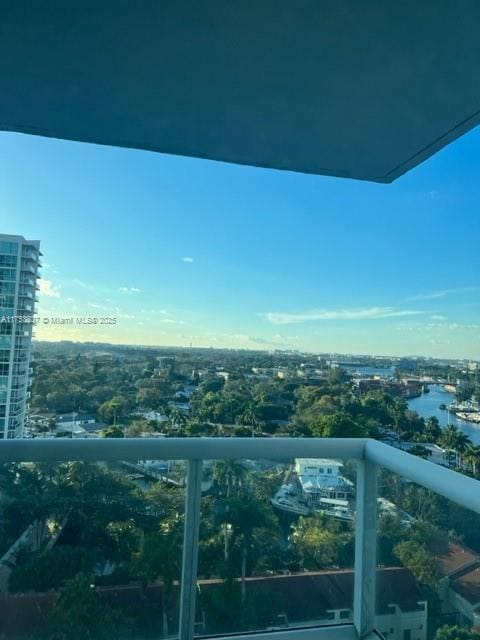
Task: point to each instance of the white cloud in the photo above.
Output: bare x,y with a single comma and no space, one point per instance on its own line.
94,305
371,313
442,327
434,295
130,290
81,283
187,259
172,321
47,288
437,317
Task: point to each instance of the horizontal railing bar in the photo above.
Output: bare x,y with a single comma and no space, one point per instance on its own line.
452,485
57,449
331,632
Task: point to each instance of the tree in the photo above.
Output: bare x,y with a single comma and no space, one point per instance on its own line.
456,633
122,540
249,417
229,474
453,439
39,571
337,375
432,428
416,558
319,541
178,419
462,442
248,516
80,614
113,432
472,457
160,556
420,451
138,428
113,409
465,391
337,425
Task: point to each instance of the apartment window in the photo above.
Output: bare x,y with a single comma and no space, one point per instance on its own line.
7,300
320,470
10,248
4,367
8,261
7,287
7,274
344,614
330,615
329,470
407,634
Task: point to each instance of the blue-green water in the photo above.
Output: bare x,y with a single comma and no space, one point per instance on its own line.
384,372
428,405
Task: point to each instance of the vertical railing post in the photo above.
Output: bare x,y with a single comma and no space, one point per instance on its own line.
364,594
188,583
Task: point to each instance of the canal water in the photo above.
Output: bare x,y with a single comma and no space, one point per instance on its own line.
428,405
383,372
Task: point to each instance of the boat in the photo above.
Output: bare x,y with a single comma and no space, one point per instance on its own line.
287,499
469,416
285,504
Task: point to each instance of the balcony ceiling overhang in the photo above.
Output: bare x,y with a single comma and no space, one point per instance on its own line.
364,89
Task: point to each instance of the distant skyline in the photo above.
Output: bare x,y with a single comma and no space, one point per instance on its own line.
184,251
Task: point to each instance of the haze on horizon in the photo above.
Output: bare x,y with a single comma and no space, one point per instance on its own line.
184,251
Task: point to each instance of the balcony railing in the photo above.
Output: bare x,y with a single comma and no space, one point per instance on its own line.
369,455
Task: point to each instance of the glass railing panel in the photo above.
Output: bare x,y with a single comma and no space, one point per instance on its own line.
428,554
90,550
276,545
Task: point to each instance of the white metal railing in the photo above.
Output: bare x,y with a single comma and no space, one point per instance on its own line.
368,453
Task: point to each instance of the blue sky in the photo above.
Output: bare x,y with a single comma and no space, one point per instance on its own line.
187,251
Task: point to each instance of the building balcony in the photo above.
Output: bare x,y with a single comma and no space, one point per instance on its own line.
27,267
30,255
18,387
318,593
25,311
19,371
24,293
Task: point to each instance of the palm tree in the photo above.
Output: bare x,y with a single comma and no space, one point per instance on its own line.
229,473
432,428
454,440
178,419
247,516
160,558
249,417
448,440
472,457
462,442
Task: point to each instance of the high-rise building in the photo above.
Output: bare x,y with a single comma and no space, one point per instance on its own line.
19,263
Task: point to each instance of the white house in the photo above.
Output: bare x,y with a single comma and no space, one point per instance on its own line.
324,487
74,420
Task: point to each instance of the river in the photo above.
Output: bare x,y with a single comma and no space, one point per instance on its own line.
382,372
428,405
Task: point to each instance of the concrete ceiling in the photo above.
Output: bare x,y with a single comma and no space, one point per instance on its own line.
363,89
